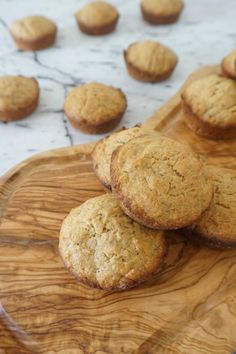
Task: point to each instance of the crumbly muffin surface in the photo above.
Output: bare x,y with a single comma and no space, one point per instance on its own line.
17,93
95,103
219,220
213,100
104,248
160,182
103,151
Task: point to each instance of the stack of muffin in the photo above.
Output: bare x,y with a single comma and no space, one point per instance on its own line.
118,240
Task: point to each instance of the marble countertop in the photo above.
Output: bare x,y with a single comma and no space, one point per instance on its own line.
203,35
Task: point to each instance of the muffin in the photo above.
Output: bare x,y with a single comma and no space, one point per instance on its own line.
217,225
228,65
150,61
104,248
97,18
209,107
95,108
160,183
159,12
19,97
34,33
102,152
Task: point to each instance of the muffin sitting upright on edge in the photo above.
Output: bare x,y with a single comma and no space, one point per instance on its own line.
34,32
228,65
104,248
150,61
95,108
104,148
209,106
161,11
159,182
217,225
19,97
97,18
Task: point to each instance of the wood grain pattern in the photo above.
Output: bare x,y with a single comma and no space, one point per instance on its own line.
189,308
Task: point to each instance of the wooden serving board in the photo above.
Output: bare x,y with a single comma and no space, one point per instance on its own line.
190,308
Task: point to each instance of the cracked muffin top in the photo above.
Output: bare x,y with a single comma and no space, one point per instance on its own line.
160,182
229,65
104,248
213,100
151,57
218,222
32,28
97,13
95,103
104,148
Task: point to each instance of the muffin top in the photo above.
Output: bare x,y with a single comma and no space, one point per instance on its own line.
219,220
103,151
229,64
17,92
162,7
95,103
151,57
33,28
160,182
213,100
97,13
104,248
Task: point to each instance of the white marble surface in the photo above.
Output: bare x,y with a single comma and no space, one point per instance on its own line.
203,35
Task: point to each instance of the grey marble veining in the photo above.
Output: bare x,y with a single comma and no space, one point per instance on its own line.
204,34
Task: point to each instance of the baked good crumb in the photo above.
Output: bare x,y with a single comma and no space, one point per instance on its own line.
95,108
209,107
159,182
19,97
104,248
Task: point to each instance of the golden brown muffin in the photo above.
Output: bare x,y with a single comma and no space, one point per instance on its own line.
217,226
95,108
229,65
209,106
97,18
150,61
104,248
19,97
104,148
159,182
34,32
161,11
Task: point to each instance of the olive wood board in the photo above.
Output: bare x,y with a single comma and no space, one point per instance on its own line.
190,308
